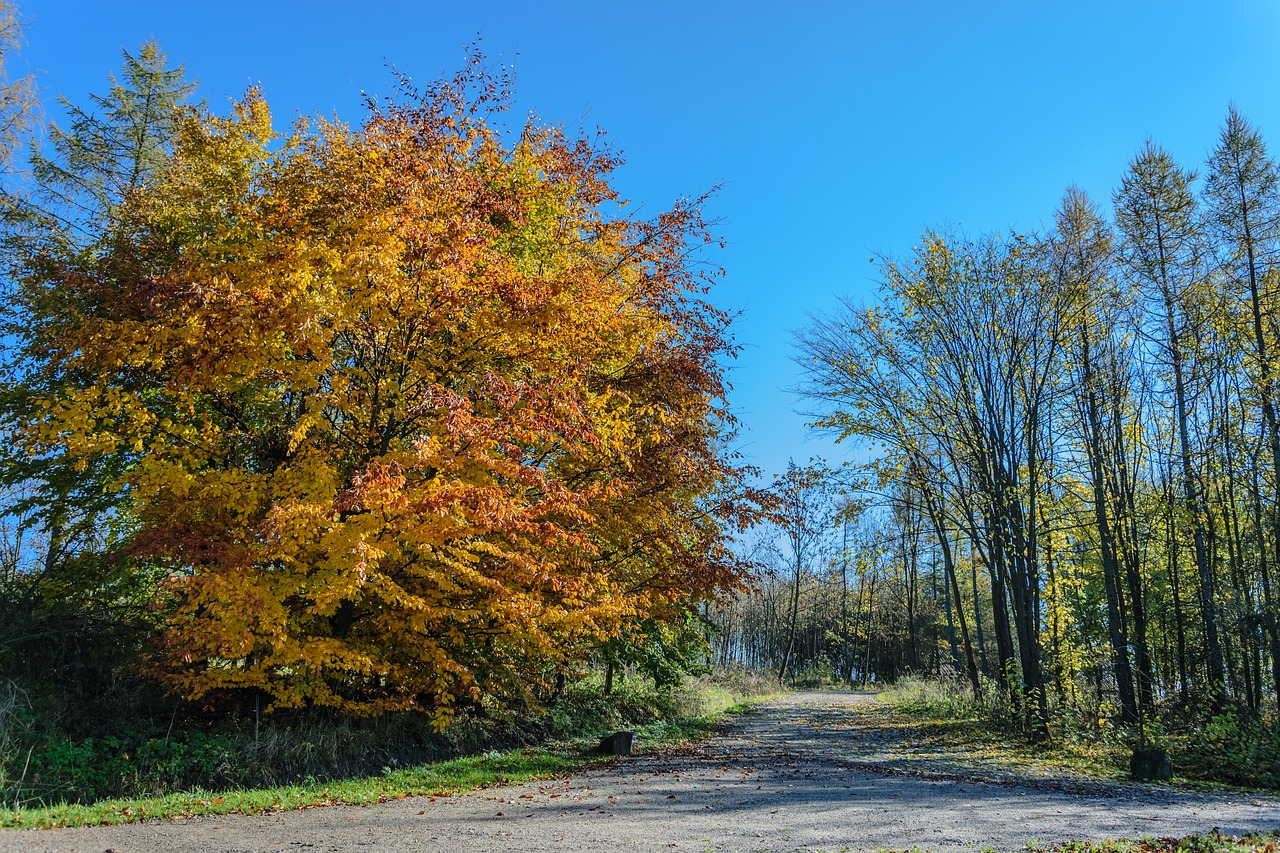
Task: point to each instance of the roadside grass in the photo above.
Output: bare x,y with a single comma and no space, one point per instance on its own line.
949,727
1210,842
438,780
972,740
710,704
667,733
945,721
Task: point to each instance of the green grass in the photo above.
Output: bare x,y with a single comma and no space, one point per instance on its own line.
442,779
1208,842
665,733
439,779
1212,842
946,722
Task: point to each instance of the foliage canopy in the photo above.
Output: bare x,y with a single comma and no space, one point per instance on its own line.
407,413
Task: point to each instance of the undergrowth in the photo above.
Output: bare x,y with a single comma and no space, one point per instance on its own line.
310,752
1231,746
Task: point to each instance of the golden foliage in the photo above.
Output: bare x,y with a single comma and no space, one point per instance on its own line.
411,414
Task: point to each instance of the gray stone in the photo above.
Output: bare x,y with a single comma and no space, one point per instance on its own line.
1150,764
618,743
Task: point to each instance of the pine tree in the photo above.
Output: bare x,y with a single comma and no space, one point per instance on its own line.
115,146
1164,252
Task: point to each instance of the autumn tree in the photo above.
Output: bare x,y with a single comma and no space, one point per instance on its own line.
1101,384
408,412
954,373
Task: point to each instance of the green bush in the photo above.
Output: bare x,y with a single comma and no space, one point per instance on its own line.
1232,746
815,675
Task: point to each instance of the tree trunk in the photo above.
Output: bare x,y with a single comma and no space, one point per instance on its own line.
1116,628
948,564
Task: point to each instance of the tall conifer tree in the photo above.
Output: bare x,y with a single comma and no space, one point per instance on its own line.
1164,252
1242,194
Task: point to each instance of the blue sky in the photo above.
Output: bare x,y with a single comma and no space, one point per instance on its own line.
836,131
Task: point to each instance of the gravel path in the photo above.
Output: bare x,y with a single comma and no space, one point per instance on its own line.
794,774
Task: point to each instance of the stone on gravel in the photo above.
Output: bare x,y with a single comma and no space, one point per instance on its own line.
618,743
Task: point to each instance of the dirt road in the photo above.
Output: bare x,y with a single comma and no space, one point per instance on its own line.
794,774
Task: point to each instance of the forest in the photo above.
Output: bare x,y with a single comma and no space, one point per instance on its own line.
410,428
1066,496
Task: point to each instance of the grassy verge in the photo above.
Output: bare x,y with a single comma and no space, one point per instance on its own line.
666,733
944,725
1216,752
1212,842
710,702
442,779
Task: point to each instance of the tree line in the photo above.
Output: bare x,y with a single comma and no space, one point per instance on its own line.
1074,443
862,601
